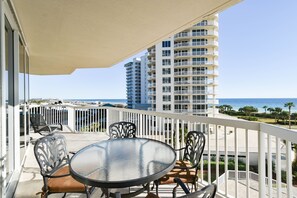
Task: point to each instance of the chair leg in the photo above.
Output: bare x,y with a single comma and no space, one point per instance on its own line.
157,188
64,195
153,186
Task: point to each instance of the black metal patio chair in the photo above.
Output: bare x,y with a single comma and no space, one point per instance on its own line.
53,160
40,125
122,130
187,168
208,191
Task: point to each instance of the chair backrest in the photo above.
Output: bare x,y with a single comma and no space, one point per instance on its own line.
122,130
195,142
37,121
51,153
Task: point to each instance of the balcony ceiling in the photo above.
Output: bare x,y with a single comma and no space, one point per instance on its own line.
63,35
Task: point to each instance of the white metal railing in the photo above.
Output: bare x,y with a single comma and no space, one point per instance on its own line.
181,82
182,92
197,53
196,43
182,44
186,63
253,144
196,33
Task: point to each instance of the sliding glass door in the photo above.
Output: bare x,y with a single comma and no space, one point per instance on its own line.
9,100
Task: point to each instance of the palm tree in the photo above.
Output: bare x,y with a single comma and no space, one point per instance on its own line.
277,112
294,116
265,108
289,105
270,109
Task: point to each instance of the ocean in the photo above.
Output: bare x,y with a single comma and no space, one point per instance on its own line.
236,103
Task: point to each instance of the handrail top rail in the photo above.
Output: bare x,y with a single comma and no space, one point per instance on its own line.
287,134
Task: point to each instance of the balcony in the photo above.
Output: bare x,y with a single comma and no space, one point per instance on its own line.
199,63
195,44
181,82
266,150
184,101
182,92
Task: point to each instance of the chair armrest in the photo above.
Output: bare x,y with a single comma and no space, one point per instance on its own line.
61,126
180,149
181,184
57,176
72,152
45,128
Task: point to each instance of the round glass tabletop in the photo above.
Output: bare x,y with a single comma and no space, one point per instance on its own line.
120,163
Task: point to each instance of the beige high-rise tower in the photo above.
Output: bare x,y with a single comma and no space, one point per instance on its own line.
182,71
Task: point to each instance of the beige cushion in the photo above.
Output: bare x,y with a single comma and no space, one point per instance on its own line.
64,184
186,175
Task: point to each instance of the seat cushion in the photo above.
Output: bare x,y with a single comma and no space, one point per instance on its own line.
64,184
186,175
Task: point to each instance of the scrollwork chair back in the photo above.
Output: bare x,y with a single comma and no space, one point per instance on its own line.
51,153
193,151
122,130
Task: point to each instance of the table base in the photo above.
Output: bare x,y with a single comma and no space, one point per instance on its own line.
127,195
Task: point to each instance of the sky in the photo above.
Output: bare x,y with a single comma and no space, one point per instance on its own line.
257,59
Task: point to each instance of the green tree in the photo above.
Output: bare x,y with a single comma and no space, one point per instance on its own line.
225,108
248,110
265,108
270,109
289,105
284,115
277,112
228,108
294,116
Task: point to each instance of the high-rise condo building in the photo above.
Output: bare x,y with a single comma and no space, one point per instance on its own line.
182,71
136,83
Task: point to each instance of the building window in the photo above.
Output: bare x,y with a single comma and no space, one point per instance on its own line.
199,61
166,80
199,42
199,51
166,107
201,32
202,23
166,52
166,98
166,44
166,71
166,62
166,89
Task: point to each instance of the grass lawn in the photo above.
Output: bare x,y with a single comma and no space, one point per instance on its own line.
272,121
267,120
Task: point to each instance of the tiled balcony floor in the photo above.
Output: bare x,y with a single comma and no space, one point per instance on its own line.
31,182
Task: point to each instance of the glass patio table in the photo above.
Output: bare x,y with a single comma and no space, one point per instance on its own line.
120,163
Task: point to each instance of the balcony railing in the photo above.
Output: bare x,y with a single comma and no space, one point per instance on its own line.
261,150
190,63
201,43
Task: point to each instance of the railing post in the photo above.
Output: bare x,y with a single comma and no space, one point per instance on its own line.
71,118
177,140
107,119
261,164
